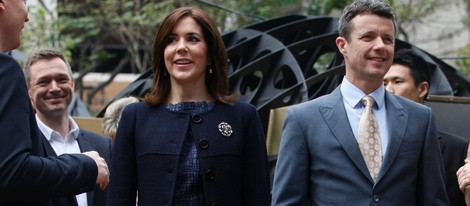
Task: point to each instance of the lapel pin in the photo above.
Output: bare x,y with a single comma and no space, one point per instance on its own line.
225,129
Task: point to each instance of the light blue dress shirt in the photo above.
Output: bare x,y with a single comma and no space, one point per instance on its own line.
352,102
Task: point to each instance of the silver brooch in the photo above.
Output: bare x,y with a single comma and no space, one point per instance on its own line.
225,129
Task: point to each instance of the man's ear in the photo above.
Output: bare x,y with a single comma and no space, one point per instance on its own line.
30,94
341,44
2,6
423,88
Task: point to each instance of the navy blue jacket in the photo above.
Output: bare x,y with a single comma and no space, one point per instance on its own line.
148,143
454,151
87,141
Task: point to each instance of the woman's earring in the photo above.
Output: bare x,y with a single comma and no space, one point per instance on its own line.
210,69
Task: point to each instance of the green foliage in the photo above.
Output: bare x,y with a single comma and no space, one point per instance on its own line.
85,28
325,7
412,12
40,31
463,64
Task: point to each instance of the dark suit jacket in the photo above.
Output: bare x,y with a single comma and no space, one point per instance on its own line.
320,163
26,177
87,141
454,151
146,152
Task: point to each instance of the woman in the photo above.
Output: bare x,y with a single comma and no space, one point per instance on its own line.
189,142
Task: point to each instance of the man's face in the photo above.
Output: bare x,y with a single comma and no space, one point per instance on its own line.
14,14
399,81
51,87
369,50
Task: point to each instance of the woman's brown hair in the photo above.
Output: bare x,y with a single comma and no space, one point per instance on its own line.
216,82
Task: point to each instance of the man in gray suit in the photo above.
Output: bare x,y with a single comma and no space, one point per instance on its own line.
50,88
320,161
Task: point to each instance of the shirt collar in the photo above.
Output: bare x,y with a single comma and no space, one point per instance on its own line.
353,95
47,131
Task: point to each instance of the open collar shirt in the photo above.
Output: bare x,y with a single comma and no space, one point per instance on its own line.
67,145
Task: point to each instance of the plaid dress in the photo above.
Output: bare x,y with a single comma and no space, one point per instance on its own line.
189,188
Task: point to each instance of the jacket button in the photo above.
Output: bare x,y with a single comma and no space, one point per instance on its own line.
197,119
376,198
214,204
210,174
204,143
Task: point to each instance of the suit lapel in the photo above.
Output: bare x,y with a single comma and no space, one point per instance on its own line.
442,143
83,142
397,119
47,146
85,146
70,200
342,131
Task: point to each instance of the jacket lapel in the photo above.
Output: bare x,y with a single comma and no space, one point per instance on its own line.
397,119
69,200
47,146
83,142
85,146
342,131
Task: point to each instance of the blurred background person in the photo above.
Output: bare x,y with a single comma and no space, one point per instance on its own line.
189,142
409,77
113,115
50,87
27,175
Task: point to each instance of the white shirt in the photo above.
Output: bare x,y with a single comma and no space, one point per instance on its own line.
69,145
352,102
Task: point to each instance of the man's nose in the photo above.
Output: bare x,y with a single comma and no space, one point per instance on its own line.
389,88
54,86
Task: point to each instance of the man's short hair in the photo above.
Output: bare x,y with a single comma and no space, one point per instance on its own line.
43,54
376,7
419,68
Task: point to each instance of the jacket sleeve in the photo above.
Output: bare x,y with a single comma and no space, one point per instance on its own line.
25,176
291,177
431,176
123,175
256,181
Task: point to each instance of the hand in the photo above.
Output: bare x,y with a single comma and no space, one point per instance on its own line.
103,172
463,176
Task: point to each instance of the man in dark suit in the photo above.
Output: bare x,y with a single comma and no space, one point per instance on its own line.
321,159
409,77
50,88
27,177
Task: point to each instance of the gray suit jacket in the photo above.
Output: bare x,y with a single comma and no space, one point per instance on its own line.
320,162
87,141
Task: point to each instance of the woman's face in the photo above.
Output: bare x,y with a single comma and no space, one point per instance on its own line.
186,53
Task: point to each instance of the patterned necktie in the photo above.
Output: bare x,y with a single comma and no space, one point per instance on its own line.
369,138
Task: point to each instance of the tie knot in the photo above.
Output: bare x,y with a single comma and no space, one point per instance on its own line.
368,101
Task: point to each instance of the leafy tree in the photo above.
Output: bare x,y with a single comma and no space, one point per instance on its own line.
94,34
463,64
91,33
411,13
324,7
